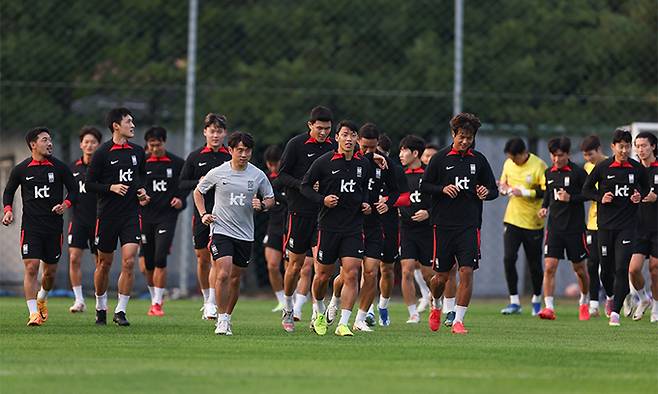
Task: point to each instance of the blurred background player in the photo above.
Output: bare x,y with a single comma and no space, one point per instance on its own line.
563,203
82,225
522,180
42,179
160,214
593,154
198,163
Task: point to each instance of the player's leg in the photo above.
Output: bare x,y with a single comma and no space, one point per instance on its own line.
641,250
449,297
350,275
324,269
622,252
334,304
107,235
147,261
303,287
593,272
576,246
425,296
653,270
408,266
464,293
273,257
532,246
223,266
164,237
367,293
30,289
298,241
511,243
553,251
75,274
467,252
125,283
386,276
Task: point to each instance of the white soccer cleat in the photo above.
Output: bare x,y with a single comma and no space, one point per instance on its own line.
78,307
423,303
221,327
641,307
654,317
229,329
332,312
361,326
209,312
629,305
414,319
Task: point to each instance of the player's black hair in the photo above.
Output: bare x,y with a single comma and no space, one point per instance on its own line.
115,115
466,122
652,140
33,134
323,114
369,131
156,132
272,154
349,124
622,135
238,136
559,143
215,119
591,142
413,143
384,143
90,130
432,146
514,146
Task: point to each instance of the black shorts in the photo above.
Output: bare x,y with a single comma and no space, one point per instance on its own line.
592,244
156,243
300,232
82,236
374,242
461,246
333,246
126,230
200,234
222,245
417,243
575,245
274,241
646,243
45,247
391,250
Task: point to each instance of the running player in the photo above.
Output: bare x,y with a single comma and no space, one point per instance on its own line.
416,235
459,179
42,179
116,174
622,184
198,163
592,153
646,231
238,185
300,152
343,178
273,241
159,216
563,203
522,180
81,227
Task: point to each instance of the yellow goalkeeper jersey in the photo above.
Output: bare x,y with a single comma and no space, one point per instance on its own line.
591,214
522,210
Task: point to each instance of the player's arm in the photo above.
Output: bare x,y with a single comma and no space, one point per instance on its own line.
392,184
590,191
179,201
577,196
207,183
186,181
71,189
94,174
430,183
312,176
265,189
8,195
140,182
487,188
287,167
404,200
546,200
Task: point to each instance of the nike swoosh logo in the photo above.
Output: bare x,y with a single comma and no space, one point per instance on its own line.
148,172
202,164
27,178
162,231
114,161
76,173
625,242
610,176
310,154
360,251
549,182
450,167
335,172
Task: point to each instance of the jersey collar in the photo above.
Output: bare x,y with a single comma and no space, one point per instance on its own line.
45,162
155,159
418,170
357,155
120,146
616,164
312,140
207,149
453,152
556,169
654,164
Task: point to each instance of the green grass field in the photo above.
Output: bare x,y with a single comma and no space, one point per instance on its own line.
180,353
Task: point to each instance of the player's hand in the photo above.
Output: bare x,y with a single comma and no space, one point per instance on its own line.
651,197
607,198
331,201
503,188
256,204
515,191
208,219
59,209
380,161
366,208
482,192
542,213
636,197
420,215
381,207
8,218
563,196
316,186
176,203
119,189
451,190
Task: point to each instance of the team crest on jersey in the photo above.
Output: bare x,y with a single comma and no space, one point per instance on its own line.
170,173
567,180
378,173
134,159
359,172
631,178
528,178
473,169
70,239
250,186
25,248
51,177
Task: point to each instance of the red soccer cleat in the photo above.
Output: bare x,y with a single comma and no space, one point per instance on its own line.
435,319
583,312
458,328
547,314
156,310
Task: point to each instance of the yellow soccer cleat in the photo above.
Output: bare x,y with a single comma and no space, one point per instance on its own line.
43,309
343,331
35,319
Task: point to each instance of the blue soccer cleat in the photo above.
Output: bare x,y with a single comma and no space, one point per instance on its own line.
511,309
384,321
536,308
450,318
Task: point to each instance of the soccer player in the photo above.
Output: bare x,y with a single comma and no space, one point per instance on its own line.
42,179
563,203
343,178
522,180
116,174
198,163
300,152
238,185
416,233
459,178
592,153
622,184
82,225
275,226
646,231
428,152
160,214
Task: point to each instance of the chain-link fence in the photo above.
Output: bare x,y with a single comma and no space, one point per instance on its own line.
530,68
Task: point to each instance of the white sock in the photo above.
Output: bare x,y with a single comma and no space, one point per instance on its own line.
122,304
584,299
152,293
279,296
594,304
211,297
449,304
288,302
335,301
158,295
424,290
300,300
101,302
319,307
79,298
514,299
460,311
228,317
206,293
223,317
654,308
371,310
536,299
360,316
643,295
383,302
632,288
412,310
345,316
437,303
42,294
548,301
32,306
